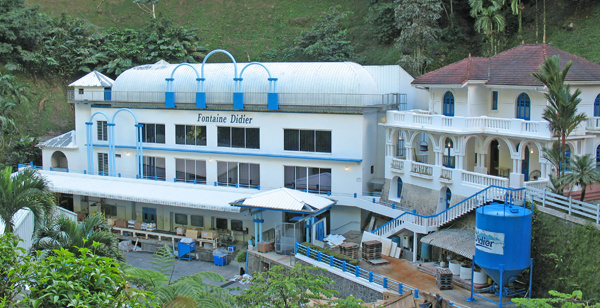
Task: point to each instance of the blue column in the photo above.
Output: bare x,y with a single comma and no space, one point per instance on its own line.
200,94
112,170
90,147
273,96
256,229
139,152
169,94
238,95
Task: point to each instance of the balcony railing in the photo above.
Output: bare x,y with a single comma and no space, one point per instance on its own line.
483,180
422,169
397,165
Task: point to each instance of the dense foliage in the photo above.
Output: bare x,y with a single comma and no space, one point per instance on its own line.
565,257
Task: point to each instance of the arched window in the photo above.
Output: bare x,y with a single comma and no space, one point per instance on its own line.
399,191
597,106
523,107
448,197
401,149
447,160
598,157
448,104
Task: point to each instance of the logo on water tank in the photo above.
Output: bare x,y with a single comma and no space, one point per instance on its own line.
490,242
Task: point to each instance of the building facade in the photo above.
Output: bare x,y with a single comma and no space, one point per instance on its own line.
175,144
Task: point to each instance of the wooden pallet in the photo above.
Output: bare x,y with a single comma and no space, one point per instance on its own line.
378,261
349,250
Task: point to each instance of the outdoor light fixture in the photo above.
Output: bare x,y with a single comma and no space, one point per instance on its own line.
531,151
346,168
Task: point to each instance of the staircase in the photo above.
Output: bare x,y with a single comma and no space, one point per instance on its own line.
424,224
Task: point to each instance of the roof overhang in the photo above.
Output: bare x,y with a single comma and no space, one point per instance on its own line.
461,242
286,200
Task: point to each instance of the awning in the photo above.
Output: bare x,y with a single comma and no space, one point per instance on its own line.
461,242
287,200
205,197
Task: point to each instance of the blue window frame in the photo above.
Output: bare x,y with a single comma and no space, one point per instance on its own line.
494,100
598,157
523,107
448,197
448,104
597,106
399,192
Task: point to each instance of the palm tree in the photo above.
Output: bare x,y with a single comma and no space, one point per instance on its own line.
583,173
561,113
24,189
490,20
62,232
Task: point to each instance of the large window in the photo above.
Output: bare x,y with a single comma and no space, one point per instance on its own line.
197,221
494,100
523,107
597,106
190,171
190,134
307,140
181,219
238,137
102,130
448,104
154,168
103,163
238,174
314,180
153,133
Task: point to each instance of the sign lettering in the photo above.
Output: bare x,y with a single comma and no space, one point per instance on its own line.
490,242
233,119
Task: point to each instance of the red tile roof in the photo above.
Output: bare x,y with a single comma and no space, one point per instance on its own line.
512,67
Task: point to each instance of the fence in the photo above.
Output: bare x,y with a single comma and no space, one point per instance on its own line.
576,208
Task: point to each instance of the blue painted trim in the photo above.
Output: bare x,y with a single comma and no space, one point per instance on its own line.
280,210
260,221
238,100
353,160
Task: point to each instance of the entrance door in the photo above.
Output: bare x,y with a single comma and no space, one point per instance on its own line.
319,230
523,107
448,197
148,215
525,165
494,158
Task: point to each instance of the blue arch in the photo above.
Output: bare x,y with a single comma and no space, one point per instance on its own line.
597,106
89,140
272,96
235,75
523,107
448,104
255,63
170,92
138,143
237,95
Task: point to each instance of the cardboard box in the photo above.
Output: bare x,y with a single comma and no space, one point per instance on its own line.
180,230
264,246
210,234
192,233
81,215
121,223
137,225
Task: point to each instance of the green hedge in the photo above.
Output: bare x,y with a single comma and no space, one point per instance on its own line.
331,253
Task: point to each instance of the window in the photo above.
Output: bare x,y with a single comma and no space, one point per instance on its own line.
190,171
102,130
109,210
399,188
197,221
307,140
181,219
154,168
237,225
148,215
597,106
494,100
80,91
153,133
523,107
190,134
314,180
401,149
448,104
238,137
238,174
221,224
103,163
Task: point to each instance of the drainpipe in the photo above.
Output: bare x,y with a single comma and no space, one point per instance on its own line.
256,228
260,226
415,245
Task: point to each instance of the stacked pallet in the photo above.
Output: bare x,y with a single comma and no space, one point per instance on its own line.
349,250
443,278
371,250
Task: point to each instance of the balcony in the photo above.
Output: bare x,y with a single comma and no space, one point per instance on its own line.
474,125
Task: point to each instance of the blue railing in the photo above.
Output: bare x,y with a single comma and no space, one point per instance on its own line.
510,195
357,271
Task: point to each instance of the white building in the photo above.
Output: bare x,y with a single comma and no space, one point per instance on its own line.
483,126
175,144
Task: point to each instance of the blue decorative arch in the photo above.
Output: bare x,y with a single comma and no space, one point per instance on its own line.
170,92
138,145
272,96
90,139
448,105
597,106
238,97
523,107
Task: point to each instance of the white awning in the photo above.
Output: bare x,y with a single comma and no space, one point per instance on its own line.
285,199
461,242
147,191
93,79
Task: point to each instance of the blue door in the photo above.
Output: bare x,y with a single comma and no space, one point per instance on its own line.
523,107
399,191
448,197
525,165
598,157
320,230
597,106
148,215
107,94
448,104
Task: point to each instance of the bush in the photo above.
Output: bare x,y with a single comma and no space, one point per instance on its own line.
241,256
331,253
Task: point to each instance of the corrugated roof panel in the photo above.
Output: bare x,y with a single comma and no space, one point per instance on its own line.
66,140
93,79
287,200
461,242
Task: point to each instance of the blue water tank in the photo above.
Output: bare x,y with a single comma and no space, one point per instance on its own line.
503,241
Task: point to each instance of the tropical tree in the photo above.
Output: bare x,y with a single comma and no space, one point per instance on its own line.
11,256
64,233
24,189
561,112
490,21
583,173
419,30
556,158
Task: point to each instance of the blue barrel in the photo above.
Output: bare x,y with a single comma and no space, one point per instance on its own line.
395,239
425,251
503,241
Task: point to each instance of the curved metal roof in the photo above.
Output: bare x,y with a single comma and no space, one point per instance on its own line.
333,78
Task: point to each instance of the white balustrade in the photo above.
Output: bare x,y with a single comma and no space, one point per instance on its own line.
483,180
446,173
397,165
593,123
420,168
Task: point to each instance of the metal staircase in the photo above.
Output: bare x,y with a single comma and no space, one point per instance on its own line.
425,224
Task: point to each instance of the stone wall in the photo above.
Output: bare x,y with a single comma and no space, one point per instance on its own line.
425,200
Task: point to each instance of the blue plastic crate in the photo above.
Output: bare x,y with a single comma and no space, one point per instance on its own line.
186,251
220,259
231,248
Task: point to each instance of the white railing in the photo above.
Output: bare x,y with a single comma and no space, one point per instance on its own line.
481,124
593,123
397,165
421,168
541,184
576,208
446,173
483,180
